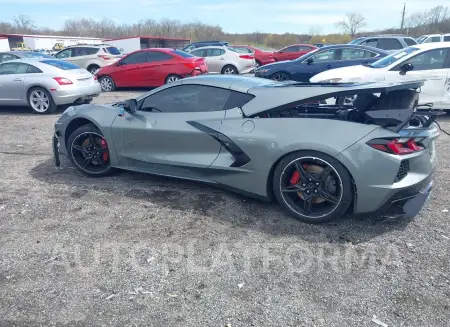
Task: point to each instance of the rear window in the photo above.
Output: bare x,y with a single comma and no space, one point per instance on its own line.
60,64
112,50
36,55
409,41
183,54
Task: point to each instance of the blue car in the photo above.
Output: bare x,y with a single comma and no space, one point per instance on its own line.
319,60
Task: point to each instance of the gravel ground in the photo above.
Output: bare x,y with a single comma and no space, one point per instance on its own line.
140,250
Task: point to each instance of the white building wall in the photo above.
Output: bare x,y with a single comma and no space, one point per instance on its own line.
126,45
4,45
47,43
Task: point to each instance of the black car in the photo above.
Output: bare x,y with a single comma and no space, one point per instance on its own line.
319,60
196,45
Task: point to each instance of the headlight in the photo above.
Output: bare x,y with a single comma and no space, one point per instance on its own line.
331,80
262,71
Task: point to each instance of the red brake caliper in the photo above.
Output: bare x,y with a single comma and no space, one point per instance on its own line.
295,178
105,155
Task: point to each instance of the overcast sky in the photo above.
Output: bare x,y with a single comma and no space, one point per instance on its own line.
235,16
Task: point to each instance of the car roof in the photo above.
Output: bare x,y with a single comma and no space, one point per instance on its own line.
212,47
430,46
356,46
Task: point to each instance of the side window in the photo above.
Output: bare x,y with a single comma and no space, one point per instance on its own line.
135,58
187,98
64,54
7,56
446,38
91,51
9,68
327,55
389,44
291,49
350,54
215,52
409,41
199,53
304,48
433,59
155,56
370,43
436,39
33,70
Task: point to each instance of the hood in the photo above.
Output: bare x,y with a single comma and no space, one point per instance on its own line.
345,73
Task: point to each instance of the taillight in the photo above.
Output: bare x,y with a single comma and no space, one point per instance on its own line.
62,80
246,57
94,77
397,146
105,57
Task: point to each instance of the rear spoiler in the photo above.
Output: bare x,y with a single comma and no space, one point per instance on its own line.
401,117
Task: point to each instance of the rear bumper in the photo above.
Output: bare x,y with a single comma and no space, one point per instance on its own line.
408,202
71,94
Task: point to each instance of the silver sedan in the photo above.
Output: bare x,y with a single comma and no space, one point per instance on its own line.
44,84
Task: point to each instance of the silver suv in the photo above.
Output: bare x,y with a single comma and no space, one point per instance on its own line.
89,56
385,42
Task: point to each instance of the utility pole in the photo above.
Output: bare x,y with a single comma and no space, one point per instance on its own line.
403,18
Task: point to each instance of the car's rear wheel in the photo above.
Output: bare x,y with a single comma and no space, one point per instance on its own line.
229,70
280,77
41,101
89,152
93,69
107,84
312,186
172,78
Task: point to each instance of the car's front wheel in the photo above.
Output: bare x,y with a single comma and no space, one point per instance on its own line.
107,84
89,152
280,77
312,186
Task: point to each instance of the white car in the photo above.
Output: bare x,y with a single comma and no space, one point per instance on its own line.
430,62
226,60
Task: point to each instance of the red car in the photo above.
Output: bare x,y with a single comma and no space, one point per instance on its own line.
261,57
293,52
150,68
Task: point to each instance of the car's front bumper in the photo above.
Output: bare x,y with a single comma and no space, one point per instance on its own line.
70,95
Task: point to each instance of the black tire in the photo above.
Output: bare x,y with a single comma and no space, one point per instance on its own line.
229,69
107,84
338,173
87,101
31,100
402,99
76,156
258,63
93,68
280,77
172,78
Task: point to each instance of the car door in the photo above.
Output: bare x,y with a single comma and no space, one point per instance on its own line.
355,56
80,56
164,135
11,83
213,64
157,67
128,70
432,66
288,53
314,64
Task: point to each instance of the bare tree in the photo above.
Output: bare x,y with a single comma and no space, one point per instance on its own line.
24,24
437,16
352,23
315,31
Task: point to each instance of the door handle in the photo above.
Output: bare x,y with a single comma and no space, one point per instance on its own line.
17,80
328,66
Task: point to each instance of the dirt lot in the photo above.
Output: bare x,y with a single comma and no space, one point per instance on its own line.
139,250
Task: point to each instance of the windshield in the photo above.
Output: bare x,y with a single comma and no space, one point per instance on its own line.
388,60
183,54
356,41
421,39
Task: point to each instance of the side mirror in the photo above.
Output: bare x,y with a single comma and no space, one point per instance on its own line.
406,68
130,105
119,63
309,61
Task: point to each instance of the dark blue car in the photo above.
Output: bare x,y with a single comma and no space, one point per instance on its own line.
317,61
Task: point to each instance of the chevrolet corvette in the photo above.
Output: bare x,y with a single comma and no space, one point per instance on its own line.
269,140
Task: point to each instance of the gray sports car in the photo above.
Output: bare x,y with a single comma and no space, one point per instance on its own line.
368,151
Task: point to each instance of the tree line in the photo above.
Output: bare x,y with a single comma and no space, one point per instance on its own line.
435,20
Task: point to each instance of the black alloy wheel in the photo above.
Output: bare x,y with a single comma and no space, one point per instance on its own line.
280,77
312,188
89,152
